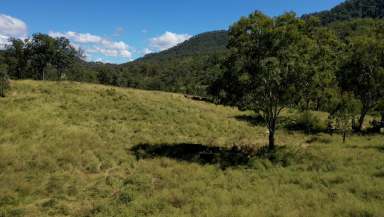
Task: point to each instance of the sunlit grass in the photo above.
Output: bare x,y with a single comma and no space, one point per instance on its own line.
66,150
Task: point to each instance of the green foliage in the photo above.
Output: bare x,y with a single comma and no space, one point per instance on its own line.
380,108
344,113
16,57
307,122
268,66
320,79
33,58
362,71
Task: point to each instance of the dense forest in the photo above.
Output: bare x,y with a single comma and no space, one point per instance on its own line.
352,9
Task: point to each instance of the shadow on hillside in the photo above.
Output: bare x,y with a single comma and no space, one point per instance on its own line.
196,153
255,120
258,120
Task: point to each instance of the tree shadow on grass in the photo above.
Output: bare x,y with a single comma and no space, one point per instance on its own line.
196,153
258,120
255,120
222,157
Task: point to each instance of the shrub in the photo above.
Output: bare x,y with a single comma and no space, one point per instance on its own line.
307,122
125,197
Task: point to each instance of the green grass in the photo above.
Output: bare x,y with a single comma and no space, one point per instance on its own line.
67,149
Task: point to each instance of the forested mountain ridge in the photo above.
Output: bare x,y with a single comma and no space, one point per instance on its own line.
189,67
216,41
351,9
204,43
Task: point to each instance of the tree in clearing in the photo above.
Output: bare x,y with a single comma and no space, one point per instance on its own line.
267,65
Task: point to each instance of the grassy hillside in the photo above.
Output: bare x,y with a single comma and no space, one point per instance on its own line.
71,149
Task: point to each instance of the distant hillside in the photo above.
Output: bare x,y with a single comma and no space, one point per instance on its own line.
352,9
205,43
187,68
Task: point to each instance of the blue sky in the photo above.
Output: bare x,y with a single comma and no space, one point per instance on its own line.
118,31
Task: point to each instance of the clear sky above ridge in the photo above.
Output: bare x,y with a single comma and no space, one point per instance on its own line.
118,31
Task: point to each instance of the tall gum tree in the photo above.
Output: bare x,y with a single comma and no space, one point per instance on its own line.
363,72
265,70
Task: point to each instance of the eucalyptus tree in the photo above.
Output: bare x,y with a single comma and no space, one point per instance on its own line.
267,66
64,55
42,49
363,72
321,83
16,57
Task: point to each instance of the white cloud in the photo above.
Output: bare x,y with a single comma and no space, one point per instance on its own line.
110,52
11,27
96,44
168,40
147,51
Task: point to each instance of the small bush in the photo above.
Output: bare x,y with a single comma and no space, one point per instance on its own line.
51,203
306,122
125,197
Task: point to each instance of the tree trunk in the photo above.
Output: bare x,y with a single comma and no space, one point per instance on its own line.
353,123
19,73
272,130
344,136
359,127
318,104
59,73
307,105
2,92
382,117
271,139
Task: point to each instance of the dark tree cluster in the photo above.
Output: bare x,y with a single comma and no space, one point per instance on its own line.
40,57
